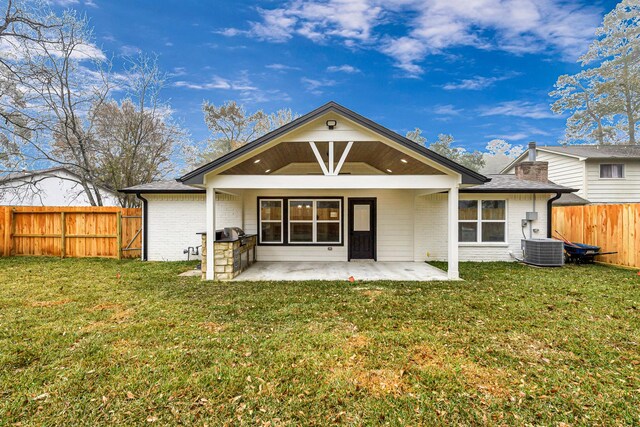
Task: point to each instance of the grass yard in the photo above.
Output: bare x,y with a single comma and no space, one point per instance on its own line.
91,342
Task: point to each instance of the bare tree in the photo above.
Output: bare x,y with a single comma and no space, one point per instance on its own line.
63,78
136,136
22,23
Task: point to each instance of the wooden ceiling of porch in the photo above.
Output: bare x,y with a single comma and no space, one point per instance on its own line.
374,153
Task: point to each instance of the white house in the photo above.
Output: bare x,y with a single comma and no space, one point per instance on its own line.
600,173
335,186
48,187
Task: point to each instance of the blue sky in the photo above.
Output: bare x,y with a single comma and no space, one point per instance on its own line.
478,69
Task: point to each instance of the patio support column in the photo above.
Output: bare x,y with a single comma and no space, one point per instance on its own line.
211,232
452,253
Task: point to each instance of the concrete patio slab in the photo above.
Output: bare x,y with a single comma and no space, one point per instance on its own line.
391,271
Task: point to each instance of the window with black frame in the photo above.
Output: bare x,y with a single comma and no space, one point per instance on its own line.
482,221
271,221
305,220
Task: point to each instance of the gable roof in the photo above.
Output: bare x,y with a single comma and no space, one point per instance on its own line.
585,152
596,151
503,183
468,176
27,175
21,175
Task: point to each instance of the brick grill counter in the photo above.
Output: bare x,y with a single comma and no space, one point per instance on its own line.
231,257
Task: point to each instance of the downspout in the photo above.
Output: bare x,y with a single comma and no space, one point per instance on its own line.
145,209
550,214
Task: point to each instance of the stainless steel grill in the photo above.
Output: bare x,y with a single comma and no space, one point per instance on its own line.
231,234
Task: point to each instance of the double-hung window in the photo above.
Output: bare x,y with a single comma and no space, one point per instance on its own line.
315,221
615,170
482,221
271,228
300,221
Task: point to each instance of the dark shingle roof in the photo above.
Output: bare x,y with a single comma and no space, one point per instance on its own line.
570,199
468,176
597,151
167,186
504,183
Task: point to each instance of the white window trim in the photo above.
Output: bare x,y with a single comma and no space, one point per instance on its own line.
281,221
613,177
479,221
314,220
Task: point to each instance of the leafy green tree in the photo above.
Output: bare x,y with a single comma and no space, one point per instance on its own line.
443,146
232,127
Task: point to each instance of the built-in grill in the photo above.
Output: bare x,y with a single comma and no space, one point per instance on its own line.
231,234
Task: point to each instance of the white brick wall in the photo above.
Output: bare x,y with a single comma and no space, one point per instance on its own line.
174,219
408,227
431,227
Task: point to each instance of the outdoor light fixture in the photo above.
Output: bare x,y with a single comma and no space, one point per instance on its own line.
404,160
331,124
389,170
256,161
267,171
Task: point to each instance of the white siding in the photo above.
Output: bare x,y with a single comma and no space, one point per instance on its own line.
431,227
625,190
563,170
51,189
394,226
174,219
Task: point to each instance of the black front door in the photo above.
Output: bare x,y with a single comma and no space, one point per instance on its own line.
362,229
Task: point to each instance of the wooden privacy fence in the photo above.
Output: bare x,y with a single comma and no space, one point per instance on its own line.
109,232
612,227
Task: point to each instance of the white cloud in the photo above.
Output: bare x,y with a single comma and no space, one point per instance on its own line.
129,50
523,109
349,69
62,3
410,30
516,136
13,48
282,67
246,91
178,71
476,82
315,86
218,82
447,110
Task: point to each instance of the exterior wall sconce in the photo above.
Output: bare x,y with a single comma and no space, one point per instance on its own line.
331,124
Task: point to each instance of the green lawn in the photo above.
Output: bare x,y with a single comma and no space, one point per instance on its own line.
93,342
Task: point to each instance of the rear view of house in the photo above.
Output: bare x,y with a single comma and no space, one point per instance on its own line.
335,186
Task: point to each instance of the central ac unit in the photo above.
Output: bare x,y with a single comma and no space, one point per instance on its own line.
543,252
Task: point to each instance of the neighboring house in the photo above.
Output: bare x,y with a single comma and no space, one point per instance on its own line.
335,186
48,187
600,173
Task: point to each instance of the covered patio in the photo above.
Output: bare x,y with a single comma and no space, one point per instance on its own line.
338,271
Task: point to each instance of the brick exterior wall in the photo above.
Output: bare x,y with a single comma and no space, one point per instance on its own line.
174,219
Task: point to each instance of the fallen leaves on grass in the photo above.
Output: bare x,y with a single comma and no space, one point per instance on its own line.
50,303
488,380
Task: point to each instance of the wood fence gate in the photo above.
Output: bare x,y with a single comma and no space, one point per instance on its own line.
75,232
